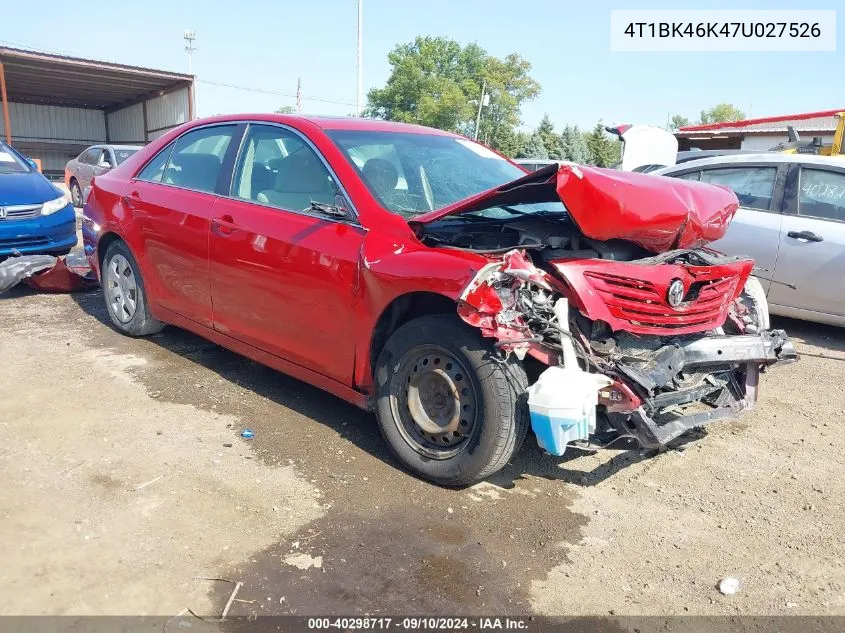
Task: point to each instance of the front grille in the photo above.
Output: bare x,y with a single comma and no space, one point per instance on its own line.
644,306
20,212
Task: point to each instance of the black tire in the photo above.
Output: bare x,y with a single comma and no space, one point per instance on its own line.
496,409
139,322
75,193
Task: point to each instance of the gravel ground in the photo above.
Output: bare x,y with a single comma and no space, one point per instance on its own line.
313,515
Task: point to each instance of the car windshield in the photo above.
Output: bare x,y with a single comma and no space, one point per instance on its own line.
410,174
10,162
122,154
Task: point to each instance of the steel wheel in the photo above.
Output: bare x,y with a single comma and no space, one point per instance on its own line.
434,402
121,289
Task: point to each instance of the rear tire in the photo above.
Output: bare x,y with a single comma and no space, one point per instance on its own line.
451,409
125,294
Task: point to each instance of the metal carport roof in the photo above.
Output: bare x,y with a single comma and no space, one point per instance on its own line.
42,78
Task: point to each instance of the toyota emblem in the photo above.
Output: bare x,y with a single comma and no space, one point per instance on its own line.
676,292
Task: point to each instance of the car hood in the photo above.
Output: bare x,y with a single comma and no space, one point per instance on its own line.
657,213
28,188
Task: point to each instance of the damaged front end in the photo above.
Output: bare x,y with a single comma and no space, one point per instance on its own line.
679,333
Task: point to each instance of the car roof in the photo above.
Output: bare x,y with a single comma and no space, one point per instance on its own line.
124,146
775,158
329,123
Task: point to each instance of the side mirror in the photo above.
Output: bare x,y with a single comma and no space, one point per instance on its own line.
104,164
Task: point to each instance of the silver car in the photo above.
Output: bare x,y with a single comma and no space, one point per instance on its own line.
94,161
791,221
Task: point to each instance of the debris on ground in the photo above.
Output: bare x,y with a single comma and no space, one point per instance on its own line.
729,586
247,434
47,273
303,561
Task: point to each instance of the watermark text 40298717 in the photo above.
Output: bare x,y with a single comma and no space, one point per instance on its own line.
745,30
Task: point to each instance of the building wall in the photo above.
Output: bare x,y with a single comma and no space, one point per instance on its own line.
53,124
55,134
167,111
127,125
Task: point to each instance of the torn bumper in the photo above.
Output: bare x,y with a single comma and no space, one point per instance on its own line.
731,367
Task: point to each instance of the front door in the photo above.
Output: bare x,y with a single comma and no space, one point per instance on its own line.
812,252
284,276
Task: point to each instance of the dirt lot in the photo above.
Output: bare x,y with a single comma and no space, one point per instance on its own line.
125,479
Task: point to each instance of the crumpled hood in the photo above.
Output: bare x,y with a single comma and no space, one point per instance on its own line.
655,212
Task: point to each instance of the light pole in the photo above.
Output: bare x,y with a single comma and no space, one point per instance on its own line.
360,98
483,101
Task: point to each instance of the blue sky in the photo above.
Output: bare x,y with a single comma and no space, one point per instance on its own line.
269,43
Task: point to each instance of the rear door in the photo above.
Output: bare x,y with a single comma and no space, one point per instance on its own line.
812,251
171,204
85,163
756,228
284,278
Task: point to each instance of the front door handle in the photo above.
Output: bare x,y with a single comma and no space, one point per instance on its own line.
224,226
805,235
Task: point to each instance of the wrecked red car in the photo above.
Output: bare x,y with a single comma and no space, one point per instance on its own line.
419,274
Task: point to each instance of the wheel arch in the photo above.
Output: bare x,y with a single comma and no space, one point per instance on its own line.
399,311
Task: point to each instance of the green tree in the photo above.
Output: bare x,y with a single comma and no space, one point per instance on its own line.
286,110
433,81
720,113
551,140
677,122
573,145
602,151
534,148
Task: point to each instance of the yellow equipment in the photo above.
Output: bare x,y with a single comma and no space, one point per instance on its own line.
795,146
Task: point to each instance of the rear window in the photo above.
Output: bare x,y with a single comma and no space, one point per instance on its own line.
122,154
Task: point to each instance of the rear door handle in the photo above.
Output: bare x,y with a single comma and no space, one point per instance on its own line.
224,226
805,235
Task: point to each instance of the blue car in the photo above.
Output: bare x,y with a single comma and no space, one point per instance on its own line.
35,217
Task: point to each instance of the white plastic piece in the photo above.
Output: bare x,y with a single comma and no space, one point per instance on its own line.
561,310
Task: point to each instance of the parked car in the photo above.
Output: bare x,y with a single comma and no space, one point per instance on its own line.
791,221
35,217
533,164
96,160
417,273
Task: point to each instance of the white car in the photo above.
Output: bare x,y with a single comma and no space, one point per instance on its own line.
791,221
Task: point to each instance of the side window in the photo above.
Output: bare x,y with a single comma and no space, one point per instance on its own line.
154,170
277,168
821,194
105,157
754,186
197,157
89,156
692,175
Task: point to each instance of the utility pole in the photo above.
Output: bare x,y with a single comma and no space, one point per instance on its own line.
189,37
480,104
360,98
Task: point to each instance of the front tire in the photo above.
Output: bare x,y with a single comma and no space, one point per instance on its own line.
75,194
451,409
125,294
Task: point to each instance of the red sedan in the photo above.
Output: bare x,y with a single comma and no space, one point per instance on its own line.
422,275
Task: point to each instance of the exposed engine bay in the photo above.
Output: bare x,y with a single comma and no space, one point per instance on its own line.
681,335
